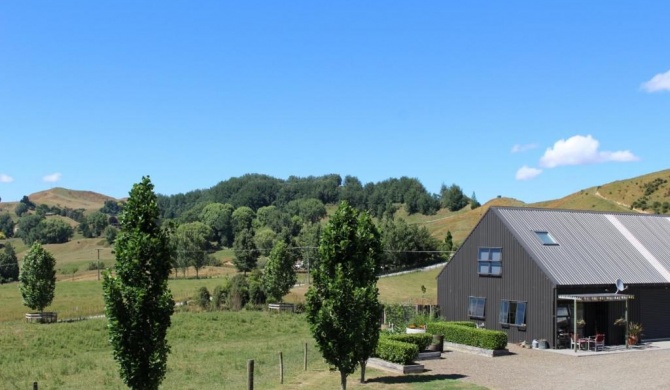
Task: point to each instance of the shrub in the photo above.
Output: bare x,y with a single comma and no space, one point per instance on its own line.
93,265
421,340
219,296
396,351
238,295
203,297
462,333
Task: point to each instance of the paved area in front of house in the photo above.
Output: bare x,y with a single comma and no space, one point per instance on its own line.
560,369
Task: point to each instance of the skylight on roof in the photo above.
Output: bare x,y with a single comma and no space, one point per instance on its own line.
545,238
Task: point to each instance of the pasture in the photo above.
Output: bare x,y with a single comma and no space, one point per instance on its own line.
209,349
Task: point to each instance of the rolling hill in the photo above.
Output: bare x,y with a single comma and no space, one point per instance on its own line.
643,192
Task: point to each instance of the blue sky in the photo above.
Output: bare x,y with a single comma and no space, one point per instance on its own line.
518,98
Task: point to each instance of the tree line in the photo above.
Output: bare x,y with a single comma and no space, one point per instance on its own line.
256,190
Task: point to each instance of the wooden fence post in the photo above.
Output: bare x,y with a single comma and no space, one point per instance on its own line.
250,374
34,385
304,358
281,368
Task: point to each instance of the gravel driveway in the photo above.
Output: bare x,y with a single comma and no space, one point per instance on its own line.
546,370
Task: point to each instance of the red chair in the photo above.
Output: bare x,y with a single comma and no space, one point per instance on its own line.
598,342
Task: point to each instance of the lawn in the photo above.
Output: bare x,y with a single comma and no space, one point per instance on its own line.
210,350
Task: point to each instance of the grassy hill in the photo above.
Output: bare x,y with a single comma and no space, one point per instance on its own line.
617,196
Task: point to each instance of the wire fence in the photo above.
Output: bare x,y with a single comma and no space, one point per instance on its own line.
274,366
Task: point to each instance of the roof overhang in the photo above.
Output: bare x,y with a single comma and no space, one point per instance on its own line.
605,297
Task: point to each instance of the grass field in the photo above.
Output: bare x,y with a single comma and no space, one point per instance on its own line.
209,351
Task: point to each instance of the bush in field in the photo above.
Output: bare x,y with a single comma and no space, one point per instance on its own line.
238,295
219,296
203,298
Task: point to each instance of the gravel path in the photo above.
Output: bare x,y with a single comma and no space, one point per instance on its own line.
537,369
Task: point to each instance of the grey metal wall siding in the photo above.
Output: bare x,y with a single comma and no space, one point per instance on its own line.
521,280
654,312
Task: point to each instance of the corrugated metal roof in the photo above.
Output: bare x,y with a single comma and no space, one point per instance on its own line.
594,247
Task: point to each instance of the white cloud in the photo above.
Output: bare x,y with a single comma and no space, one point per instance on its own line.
54,177
527,173
660,82
5,178
578,150
522,148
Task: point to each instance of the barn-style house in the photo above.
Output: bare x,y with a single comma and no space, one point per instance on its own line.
525,271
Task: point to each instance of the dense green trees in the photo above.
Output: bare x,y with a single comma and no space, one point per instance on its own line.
192,243
343,306
138,302
35,228
453,198
38,278
246,252
6,225
258,191
54,231
9,264
407,246
27,228
21,209
218,217
94,224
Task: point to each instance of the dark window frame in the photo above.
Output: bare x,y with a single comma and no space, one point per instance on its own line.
546,238
487,265
477,307
513,313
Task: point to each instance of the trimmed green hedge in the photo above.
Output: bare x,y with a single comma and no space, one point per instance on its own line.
454,332
396,351
421,340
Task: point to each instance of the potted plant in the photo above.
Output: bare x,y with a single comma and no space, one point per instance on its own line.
634,330
634,333
416,325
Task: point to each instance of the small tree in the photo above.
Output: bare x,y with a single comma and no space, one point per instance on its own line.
343,306
246,252
138,303
448,242
38,278
279,274
9,265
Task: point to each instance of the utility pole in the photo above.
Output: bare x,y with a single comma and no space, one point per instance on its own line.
98,266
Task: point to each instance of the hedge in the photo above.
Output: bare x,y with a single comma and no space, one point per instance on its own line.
455,332
421,340
396,351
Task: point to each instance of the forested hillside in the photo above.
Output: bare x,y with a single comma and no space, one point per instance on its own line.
256,191
239,220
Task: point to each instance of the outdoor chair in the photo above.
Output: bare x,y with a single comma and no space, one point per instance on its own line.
581,342
598,342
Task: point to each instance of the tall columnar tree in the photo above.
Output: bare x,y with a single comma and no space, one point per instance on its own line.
38,278
9,265
279,275
343,306
138,303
